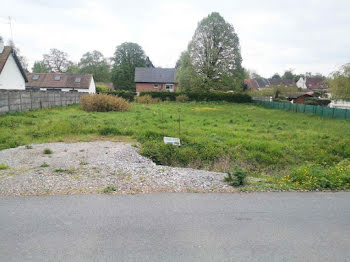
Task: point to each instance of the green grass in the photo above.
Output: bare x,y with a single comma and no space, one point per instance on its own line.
214,136
47,151
44,165
108,189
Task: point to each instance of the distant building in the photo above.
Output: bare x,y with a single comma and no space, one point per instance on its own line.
299,98
251,84
316,83
61,82
155,79
301,83
12,75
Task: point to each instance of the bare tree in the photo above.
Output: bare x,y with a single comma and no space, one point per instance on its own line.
57,61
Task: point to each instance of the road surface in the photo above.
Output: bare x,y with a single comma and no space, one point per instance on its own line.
177,227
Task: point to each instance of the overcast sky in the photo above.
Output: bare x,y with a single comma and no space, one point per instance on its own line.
307,36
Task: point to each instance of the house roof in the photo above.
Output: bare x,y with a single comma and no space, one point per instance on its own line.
295,96
251,83
262,82
286,82
154,75
47,80
314,82
8,50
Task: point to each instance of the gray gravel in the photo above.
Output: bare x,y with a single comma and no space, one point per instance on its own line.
89,167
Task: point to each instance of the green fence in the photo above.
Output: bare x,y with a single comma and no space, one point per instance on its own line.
301,108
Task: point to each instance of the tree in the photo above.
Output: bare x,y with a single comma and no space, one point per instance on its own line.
185,74
288,75
39,67
127,56
96,64
57,61
339,84
276,76
22,59
215,54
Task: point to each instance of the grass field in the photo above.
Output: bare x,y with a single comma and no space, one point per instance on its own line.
280,150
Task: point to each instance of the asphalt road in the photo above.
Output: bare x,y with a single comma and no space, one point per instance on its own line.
177,227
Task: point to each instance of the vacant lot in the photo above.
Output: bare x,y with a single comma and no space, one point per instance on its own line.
280,150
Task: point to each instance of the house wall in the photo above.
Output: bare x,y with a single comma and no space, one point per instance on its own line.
299,100
149,87
11,77
92,87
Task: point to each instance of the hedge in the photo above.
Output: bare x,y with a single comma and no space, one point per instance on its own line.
202,96
128,95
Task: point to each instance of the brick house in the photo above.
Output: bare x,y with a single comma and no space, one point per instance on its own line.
150,79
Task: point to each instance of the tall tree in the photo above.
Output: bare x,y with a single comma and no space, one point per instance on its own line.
215,54
127,56
185,74
288,75
57,61
96,64
276,76
39,67
339,84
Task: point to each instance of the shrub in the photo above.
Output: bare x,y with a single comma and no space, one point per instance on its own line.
102,89
103,103
237,177
146,99
47,151
182,98
202,96
3,166
128,95
316,101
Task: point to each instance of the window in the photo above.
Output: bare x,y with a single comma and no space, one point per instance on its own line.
155,85
35,77
77,79
168,87
57,78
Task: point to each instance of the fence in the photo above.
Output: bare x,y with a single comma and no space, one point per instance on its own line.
15,101
301,108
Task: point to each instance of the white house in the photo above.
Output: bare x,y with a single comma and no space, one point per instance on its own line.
12,75
61,82
302,83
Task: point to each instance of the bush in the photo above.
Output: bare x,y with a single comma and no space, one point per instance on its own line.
102,89
202,96
146,99
103,103
128,95
316,101
182,98
237,177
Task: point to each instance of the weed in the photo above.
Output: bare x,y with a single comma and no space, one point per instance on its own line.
82,163
237,177
29,147
59,170
3,166
47,151
109,189
44,164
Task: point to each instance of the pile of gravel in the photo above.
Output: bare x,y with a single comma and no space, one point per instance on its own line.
89,167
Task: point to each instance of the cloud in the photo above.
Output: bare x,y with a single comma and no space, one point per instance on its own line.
274,35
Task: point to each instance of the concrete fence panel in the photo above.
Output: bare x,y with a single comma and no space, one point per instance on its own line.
17,101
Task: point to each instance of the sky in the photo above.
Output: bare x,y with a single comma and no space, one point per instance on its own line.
306,36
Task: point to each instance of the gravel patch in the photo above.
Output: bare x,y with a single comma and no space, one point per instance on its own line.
89,167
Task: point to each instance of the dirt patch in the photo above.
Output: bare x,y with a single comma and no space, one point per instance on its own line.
89,167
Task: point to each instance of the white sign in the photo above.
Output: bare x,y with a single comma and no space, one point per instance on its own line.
172,140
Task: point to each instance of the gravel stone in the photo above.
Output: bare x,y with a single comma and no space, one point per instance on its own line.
88,167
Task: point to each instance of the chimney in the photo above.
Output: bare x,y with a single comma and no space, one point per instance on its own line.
1,45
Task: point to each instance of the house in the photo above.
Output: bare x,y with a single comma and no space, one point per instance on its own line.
301,83
251,84
299,98
61,82
12,75
316,83
155,79
279,81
